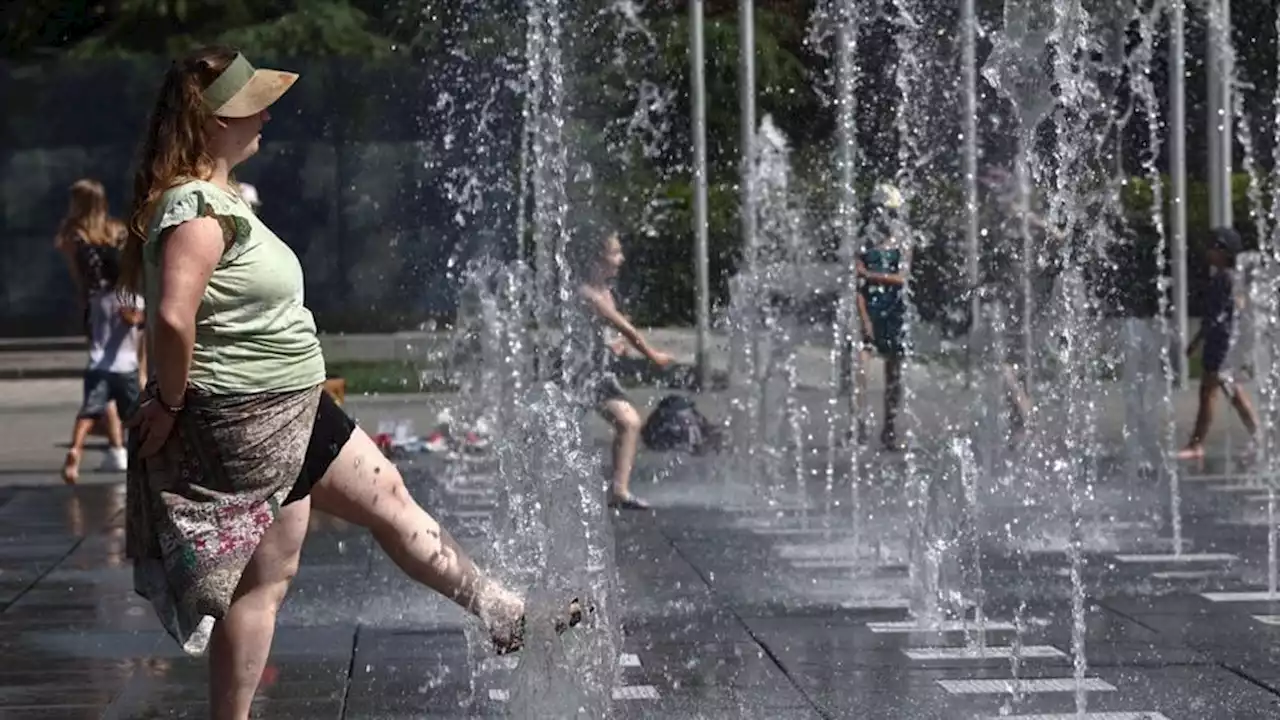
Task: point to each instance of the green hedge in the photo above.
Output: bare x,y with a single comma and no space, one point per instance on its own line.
658,279
1138,198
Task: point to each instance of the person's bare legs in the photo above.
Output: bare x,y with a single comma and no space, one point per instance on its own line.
626,442
99,428
1018,399
241,641
365,489
113,425
1244,408
1209,385
892,401
861,406
71,464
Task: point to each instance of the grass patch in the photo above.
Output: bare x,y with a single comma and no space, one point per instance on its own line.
1195,367
386,377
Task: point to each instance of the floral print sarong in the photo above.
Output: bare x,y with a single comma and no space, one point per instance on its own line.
198,508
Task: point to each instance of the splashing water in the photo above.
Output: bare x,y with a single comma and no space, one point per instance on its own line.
551,537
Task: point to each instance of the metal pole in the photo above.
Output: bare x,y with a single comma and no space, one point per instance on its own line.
1178,173
757,366
1226,82
699,102
747,103
969,72
847,136
1220,114
847,128
1213,121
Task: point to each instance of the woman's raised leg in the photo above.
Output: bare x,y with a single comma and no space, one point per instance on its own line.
362,487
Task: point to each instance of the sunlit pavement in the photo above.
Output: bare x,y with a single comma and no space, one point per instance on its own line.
732,607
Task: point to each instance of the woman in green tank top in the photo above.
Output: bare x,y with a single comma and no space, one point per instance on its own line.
882,268
235,441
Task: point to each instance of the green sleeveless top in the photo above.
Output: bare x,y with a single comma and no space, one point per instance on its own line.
253,333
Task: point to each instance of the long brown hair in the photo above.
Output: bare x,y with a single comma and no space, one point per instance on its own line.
176,146
87,217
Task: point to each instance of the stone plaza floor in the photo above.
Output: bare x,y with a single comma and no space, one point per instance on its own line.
730,608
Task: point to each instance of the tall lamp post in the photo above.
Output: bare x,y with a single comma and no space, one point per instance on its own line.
1178,175
747,105
699,102
969,70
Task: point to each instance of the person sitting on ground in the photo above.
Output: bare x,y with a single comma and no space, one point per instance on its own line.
235,441
882,269
591,375
1216,334
89,238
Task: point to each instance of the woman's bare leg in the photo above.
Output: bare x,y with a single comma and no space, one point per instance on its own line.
241,641
364,488
626,443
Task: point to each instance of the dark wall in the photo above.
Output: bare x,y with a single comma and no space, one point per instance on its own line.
355,173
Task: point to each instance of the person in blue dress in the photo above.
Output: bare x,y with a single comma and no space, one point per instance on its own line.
882,269
1217,332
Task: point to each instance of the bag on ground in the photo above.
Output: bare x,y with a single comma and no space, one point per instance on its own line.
676,424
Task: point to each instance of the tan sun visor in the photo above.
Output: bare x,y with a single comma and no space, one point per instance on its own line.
243,91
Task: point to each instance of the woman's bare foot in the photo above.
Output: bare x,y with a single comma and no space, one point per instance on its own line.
509,637
1193,451
71,467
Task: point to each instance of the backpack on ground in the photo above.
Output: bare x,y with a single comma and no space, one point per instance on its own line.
676,424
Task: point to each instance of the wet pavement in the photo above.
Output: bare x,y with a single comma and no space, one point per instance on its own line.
735,604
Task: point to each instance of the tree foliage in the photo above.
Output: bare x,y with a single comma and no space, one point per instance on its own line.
114,28
629,72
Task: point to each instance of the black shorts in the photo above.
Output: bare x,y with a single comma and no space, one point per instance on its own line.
332,430
1214,353
604,387
101,387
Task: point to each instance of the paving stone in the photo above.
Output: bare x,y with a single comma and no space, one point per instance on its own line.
713,614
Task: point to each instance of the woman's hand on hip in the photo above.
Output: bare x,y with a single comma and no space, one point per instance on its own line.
154,423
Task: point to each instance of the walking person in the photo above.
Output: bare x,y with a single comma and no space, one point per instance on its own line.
882,270
1013,390
1215,339
592,355
235,441
89,240
1013,260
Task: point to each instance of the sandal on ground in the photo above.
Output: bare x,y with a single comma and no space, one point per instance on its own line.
511,640
627,502
71,467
